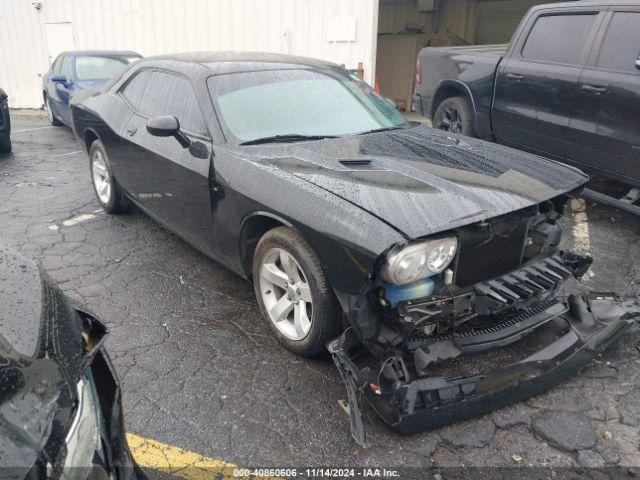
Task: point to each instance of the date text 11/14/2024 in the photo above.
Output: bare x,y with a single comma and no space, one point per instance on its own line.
316,472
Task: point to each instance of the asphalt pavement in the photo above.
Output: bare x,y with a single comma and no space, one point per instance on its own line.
200,370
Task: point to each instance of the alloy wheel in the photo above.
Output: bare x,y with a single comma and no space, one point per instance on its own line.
101,177
450,120
286,294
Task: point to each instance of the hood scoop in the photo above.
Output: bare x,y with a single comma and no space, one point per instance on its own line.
358,163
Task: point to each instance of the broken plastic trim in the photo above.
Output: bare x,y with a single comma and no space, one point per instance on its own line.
594,322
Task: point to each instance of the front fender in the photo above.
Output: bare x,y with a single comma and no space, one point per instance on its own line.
347,239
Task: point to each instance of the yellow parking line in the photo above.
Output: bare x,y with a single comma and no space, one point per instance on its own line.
176,461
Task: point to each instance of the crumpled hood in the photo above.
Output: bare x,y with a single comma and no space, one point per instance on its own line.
423,181
41,361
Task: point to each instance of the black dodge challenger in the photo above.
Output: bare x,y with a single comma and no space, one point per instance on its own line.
402,249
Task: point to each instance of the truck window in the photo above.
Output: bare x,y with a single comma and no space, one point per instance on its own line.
621,44
559,38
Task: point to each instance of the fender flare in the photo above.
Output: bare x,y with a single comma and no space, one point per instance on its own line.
85,133
467,93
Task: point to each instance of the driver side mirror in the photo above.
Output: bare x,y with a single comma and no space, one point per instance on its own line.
59,79
167,126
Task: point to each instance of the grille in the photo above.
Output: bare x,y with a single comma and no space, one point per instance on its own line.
490,249
496,327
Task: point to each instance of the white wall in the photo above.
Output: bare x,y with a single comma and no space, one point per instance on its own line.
153,27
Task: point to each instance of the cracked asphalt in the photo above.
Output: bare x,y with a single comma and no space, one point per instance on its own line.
200,370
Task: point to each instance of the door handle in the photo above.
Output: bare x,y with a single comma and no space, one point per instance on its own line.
131,131
516,77
594,89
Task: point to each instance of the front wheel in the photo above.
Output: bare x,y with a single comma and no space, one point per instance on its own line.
293,292
454,115
110,195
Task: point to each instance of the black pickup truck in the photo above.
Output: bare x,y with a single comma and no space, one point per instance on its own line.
567,88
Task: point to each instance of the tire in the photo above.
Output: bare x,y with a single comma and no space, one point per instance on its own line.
454,115
109,194
322,310
53,120
5,147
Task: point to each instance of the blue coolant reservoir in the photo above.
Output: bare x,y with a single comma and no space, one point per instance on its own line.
400,293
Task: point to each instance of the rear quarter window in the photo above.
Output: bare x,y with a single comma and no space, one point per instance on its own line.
133,91
559,38
55,68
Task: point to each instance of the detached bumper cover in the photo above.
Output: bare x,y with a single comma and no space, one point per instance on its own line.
592,323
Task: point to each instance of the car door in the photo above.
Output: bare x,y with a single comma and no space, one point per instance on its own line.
604,132
536,85
54,69
64,90
170,182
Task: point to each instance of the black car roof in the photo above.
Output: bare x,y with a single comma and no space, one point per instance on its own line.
229,61
101,53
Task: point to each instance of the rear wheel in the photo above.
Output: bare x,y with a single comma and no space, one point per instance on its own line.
293,292
53,120
454,115
110,196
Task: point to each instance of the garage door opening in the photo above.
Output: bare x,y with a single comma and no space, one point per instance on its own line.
407,26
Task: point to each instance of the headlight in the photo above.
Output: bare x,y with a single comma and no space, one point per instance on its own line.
419,260
83,438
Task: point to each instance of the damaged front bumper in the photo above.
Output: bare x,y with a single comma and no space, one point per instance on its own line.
582,326
114,459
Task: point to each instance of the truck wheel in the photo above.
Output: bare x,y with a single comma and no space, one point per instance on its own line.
454,115
110,195
293,293
5,147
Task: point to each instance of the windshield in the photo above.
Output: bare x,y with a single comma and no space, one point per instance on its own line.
256,105
101,68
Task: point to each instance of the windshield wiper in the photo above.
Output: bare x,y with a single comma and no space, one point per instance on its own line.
383,129
291,137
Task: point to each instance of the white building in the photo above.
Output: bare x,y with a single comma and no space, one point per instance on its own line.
32,33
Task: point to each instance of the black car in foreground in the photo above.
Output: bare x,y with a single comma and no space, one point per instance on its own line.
567,87
60,402
5,124
407,249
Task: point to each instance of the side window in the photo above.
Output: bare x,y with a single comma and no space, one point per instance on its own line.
169,94
621,44
559,38
153,93
65,67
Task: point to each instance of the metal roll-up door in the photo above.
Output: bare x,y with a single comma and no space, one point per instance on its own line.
498,19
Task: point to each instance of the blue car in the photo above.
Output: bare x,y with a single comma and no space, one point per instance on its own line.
79,70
